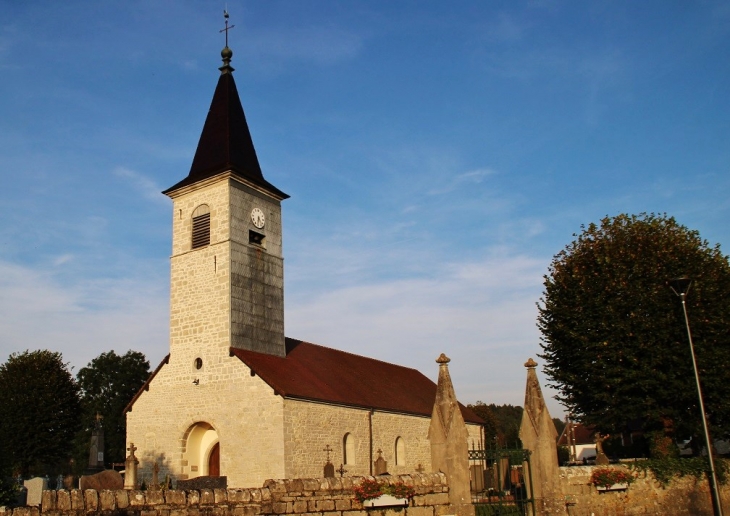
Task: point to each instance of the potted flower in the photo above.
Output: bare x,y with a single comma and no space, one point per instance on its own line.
372,493
611,479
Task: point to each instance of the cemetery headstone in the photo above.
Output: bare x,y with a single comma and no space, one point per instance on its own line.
35,487
107,479
381,465
96,449
329,470
130,468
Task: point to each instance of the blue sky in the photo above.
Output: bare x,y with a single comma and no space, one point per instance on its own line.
437,154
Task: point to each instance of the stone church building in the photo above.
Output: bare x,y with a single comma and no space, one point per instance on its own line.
234,396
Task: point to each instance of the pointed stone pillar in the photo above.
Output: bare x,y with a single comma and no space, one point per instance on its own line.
449,442
538,434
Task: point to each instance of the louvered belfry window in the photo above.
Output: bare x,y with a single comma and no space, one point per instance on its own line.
201,226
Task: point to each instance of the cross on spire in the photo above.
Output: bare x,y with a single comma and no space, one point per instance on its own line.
225,15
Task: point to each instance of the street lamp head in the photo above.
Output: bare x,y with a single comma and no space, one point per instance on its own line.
679,286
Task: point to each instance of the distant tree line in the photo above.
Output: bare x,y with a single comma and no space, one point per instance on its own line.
502,426
47,415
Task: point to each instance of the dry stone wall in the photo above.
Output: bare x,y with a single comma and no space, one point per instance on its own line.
323,497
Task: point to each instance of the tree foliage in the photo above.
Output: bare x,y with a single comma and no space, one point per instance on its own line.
613,334
108,383
39,411
502,423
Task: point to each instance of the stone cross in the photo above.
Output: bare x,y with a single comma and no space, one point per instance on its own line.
130,468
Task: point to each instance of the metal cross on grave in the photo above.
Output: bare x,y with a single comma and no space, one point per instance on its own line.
420,468
342,470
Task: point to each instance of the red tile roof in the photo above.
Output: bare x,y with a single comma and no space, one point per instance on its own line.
317,373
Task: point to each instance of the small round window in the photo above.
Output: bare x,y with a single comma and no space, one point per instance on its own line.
198,363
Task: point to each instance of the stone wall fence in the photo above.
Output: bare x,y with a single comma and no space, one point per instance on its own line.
320,496
685,496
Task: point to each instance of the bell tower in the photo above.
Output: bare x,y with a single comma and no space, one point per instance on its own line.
226,269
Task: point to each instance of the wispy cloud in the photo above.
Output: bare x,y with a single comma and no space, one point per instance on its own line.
480,313
467,178
148,188
83,320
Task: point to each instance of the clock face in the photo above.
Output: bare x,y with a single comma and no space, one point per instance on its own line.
257,217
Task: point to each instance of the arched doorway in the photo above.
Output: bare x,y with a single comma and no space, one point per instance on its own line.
202,451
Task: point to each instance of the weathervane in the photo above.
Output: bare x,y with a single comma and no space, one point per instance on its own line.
225,15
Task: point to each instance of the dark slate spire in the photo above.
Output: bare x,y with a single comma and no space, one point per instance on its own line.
225,143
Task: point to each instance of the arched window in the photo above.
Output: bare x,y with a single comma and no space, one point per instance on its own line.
400,452
348,449
201,226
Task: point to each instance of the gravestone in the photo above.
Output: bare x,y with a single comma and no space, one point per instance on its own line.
107,479
130,468
35,487
21,499
329,470
380,464
96,448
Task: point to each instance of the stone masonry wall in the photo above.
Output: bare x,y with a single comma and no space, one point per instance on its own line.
249,430
682,497
310,427
320,496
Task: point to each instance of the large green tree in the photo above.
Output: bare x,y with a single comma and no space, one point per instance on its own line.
108,383
613,334
39,412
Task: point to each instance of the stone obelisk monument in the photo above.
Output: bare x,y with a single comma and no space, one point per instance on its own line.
449,442
538,434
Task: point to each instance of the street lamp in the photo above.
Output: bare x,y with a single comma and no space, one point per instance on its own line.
680,286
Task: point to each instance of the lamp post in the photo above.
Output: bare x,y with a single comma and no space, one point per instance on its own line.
680,286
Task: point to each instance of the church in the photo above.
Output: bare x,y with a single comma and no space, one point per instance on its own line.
235,397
